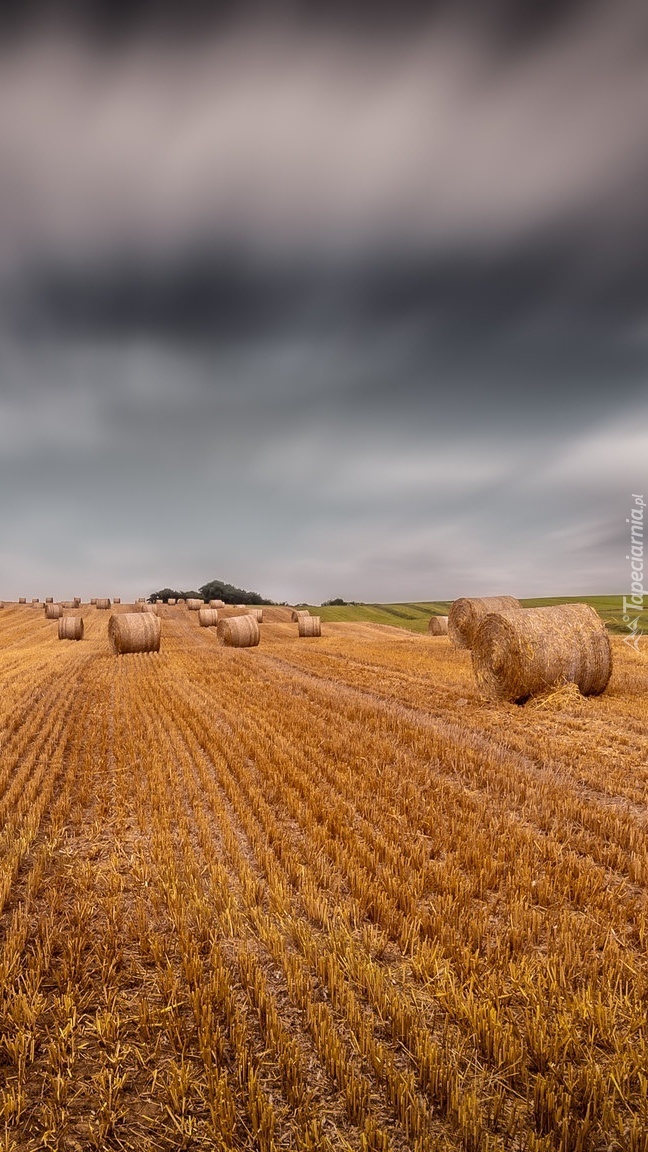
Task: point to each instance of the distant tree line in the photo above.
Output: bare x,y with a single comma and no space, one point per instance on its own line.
213,590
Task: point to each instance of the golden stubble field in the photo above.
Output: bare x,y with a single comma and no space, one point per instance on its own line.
316,895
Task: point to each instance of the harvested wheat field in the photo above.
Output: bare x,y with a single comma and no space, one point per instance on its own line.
316,896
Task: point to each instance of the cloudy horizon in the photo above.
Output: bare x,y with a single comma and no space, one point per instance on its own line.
324,310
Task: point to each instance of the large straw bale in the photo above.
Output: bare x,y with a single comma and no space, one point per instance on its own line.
134,632
70,628
195,605
526,651
466,613
238,632
438,626
53,611
103,602
208,617
171,601
297,612
309,625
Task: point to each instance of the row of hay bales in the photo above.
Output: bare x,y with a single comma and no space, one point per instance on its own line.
522,652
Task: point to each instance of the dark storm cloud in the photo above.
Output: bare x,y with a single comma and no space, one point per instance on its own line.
371,294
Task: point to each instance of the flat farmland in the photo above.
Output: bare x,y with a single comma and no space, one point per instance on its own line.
316,895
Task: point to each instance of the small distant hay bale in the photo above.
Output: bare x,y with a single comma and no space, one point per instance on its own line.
22,599
116,599
134,632
53,611
438,626
77,601
216,603
171,602
49,599
70,628
69,604
297,612
238,632
94,601
467,612
309,625
152,608
256,614
195,605
525,652
102,602
208,617
35,600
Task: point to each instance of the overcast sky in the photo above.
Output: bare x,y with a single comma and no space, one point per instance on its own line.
322,307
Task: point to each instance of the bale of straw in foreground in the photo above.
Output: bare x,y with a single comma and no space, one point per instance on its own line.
70,628
102,602
134,632
238,632
53,611
297,612
195,605
466,614
309,626
438,626
522,652
208,617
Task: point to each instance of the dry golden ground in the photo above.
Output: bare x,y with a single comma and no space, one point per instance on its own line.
316,895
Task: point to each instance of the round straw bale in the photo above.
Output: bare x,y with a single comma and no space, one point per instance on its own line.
116,599
438,626
216,603
77,601
152,608
208,617
525,651
466,613
309,625
256,614
103,602
53,611
35,600
170,601
70,628
22,599
69,604
195,605
49,599
134,632
297,612
94,601
238,632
